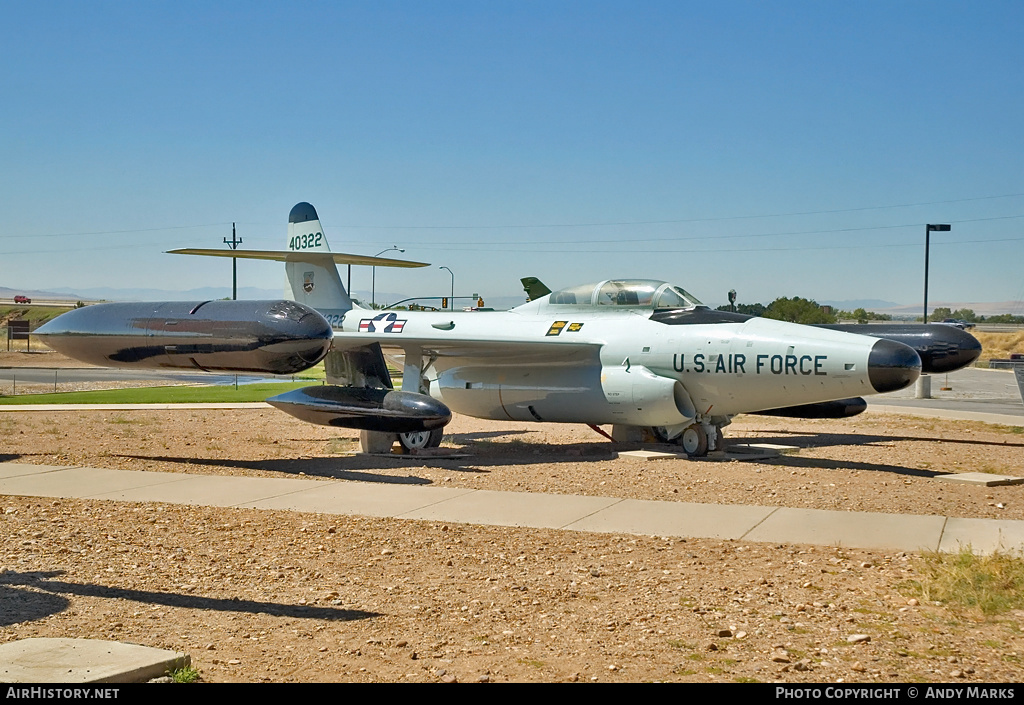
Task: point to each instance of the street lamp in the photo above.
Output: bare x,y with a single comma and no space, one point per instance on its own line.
928,229
373,277
451,301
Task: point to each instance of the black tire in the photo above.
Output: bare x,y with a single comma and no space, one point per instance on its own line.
694,441
421,439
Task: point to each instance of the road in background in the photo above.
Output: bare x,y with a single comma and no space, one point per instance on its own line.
972,389
69,375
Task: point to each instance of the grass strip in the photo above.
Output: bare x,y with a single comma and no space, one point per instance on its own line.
991,583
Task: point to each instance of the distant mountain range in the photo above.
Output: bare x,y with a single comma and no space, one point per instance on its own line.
866,304
909,311
111,294
211,293
982,308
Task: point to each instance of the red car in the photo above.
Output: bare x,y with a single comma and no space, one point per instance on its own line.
21,299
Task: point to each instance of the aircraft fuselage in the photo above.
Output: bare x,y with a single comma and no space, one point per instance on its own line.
548,362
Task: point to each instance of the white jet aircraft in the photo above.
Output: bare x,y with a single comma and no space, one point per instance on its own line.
638,354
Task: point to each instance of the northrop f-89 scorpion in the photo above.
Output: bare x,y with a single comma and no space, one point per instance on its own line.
637,354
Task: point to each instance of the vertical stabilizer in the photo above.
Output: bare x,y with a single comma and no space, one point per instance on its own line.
313,277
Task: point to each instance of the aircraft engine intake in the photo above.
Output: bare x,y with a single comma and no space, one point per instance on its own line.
566,394
644,398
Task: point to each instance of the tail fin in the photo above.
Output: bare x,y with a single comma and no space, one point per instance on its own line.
309,264
314,280
534,288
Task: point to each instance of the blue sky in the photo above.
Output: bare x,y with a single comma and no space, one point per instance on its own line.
781,149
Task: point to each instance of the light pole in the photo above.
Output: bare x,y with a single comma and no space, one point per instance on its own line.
928,229
373,277
451,301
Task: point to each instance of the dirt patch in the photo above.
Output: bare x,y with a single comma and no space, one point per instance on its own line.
881,463
285,596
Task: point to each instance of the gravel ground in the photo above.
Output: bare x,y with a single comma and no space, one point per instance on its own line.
280,596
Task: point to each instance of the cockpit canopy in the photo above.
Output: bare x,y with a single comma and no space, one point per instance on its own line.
626,293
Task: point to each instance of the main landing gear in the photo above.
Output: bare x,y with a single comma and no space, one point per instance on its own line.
695,439
418,440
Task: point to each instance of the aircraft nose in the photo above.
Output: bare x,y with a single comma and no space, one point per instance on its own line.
892,366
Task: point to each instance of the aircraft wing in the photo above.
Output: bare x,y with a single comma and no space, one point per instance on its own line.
489,350
312,256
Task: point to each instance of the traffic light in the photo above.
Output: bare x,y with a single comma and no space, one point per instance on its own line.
444,302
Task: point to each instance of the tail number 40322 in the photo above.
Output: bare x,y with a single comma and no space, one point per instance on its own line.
305,242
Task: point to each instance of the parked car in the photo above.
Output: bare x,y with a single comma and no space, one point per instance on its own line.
22,299
959,323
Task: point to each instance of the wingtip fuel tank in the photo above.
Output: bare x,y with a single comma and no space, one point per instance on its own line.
269,337
384,410
838,409
941,348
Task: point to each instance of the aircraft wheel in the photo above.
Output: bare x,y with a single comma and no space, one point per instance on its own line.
694,441
719,439
417,440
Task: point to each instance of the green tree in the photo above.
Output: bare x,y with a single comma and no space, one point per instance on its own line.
749,309
862,316
798,310
1005,318
940,314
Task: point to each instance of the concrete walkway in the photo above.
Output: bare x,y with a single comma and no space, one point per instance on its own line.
872,530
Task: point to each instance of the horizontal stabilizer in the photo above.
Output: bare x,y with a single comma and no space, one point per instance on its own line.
310,256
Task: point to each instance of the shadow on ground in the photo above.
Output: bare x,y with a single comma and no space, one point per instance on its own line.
44,597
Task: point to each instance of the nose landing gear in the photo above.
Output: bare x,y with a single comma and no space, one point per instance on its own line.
696,439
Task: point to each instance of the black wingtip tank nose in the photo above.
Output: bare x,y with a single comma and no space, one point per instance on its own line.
892,366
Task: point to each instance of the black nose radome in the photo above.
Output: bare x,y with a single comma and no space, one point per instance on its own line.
892,366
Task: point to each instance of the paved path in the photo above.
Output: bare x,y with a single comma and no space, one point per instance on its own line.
569,512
